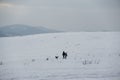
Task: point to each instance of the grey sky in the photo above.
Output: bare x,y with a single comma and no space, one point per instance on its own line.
68,15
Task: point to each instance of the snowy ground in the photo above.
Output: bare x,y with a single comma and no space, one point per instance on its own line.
91,56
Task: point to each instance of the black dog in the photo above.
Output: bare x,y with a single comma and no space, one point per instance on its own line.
56,57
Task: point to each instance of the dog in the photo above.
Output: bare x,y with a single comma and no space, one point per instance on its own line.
56,57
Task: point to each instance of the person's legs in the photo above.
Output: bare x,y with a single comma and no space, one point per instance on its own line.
63,56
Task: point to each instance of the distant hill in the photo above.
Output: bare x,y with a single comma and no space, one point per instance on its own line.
22,30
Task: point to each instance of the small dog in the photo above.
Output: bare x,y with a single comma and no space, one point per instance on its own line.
56,57
47,59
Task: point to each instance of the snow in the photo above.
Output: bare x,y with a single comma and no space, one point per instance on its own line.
91,56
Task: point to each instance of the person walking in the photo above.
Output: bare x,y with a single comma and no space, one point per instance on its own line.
64,54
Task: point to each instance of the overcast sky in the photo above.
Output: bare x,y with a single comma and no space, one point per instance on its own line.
67,15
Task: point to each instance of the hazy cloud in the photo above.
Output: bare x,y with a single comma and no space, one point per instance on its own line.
67,15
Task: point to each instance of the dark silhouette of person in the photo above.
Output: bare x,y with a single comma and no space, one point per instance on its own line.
64,54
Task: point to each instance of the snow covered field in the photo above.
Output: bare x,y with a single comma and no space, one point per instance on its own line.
91,56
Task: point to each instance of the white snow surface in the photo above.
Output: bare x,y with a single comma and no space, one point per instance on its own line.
91,56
